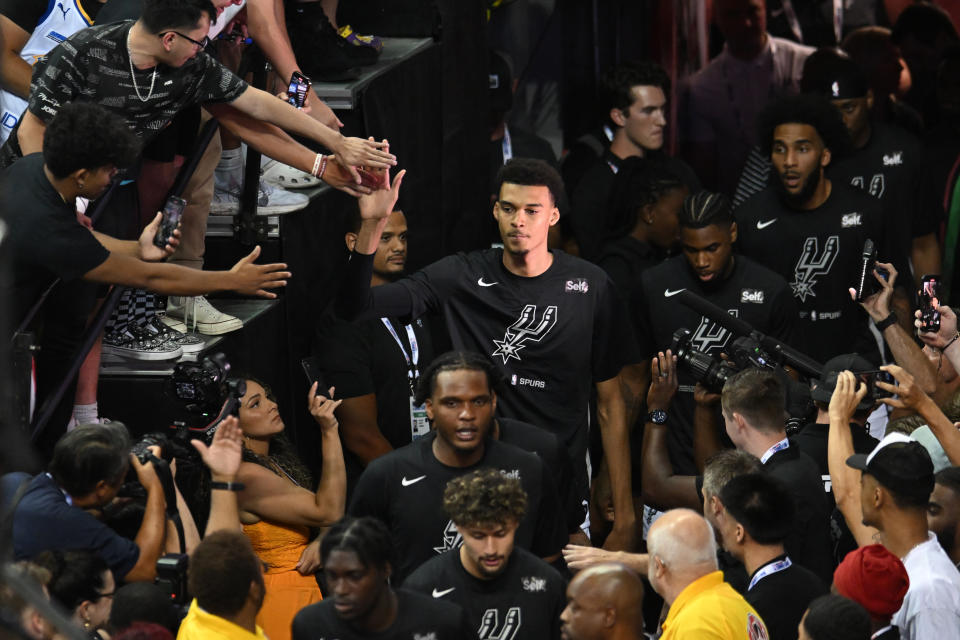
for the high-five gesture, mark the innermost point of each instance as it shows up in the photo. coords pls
(255, 279)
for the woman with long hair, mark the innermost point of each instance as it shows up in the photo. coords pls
(279, 505)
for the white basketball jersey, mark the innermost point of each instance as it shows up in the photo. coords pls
(62, 19)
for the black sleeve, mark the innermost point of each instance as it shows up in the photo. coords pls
(57, 79)
(344, 356)
(370, 495)
(643, 328)
(614, 345)
(25, 14)
(550, 531)
(356, 300)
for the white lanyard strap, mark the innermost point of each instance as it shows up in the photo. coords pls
(780, 446)
(506, 145)
(769, 570)
(413, 358)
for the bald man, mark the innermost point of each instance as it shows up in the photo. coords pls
(604, 602)
(683, 570)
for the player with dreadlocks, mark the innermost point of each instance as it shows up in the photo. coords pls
(708, 268)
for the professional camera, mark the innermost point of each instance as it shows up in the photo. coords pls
(204, 392)
(743, 353)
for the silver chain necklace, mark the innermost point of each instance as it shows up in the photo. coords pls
(153, 78)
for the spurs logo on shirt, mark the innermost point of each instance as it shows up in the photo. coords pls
(710, 336)
(812, 265)
(490, 628)
(451, 538)
(876, 187)
(527, 327)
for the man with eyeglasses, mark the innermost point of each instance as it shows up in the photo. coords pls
(149, 70)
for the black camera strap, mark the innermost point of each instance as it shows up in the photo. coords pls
(162, 468)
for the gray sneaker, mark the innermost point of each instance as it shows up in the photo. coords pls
(136, 343)
(189, 342)
(201, 316)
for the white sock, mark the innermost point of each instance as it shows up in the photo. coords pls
(86, 413)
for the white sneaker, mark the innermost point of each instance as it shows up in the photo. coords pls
(283, 175)
(200, 316)
(271, 200)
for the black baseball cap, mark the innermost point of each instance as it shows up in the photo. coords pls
(832, 74)
(853, 362)
(900, 464)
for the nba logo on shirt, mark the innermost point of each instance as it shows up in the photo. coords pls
(513, 379)
(577, 286)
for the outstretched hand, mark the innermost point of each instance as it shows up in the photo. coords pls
(340, 176)
(225, 453)
(909, 395)
(846, 396)
(379, 204)
(255, 279)
(150, 252)
(357, 152)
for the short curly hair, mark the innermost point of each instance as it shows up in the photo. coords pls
(485, 496)
(456, 361)
(222, 568)
(812, 110)
(617, 81)
(532, 172)
(84, 135)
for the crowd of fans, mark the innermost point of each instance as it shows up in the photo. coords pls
(709, 395)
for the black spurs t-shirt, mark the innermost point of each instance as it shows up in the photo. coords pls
(362, 358)
(818, 252)
(26, 14)
(809, 543)
(888, 168)
(522, 603)
(45, 240)
(782, 597)
(751, 292)
(93, 65)
(552, 336)
(418, 618)
(405, 488)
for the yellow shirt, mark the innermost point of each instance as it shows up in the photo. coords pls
(710, 608)
(200, 625)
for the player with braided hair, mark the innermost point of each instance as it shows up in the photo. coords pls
(357, 558)
(710, 269)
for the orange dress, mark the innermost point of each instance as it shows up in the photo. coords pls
(280, 547)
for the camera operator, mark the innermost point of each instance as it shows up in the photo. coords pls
(87, 470)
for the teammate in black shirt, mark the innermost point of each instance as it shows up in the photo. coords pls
(357, 559)
(552, 323)
(810, 229)
(885, 161)
(375, 364)
(708, 268)
(506, 591)
(404, 488)
(757, 516)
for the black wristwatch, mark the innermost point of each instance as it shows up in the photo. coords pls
(657, 416)
(886, 322)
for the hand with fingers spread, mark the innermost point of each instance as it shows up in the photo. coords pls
(225, 452)
(848, 393)
(322, 408)
(254, 279)
(379, 204)
(878, 304)
(663, 381)
(150, 252)
(357, 152)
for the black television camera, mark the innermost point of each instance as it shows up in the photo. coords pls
(743, 353)
(205, 393)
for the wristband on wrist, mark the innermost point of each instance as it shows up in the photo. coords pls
(316, 164)
(952, 340)
(323, 167)
(886, 322)
(228, 486)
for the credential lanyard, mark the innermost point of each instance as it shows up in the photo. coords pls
(506, 145)
(413, 358)
(780, 446)
(769, 570)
